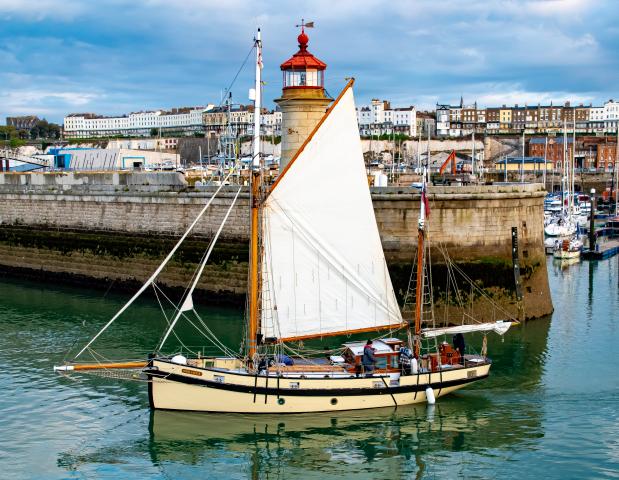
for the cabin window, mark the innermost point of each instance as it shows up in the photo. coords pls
(394, 361)
(381, 362)
(334, 401)
(281, 401)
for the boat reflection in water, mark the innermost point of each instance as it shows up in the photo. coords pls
(390, 440)
(562, 263)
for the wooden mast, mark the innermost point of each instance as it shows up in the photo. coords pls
(255, 199)
(419, 290)
(420, 264)
(252, 333)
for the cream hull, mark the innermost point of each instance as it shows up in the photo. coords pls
(566, 254)
(178, 387)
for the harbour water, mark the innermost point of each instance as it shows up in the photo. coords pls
(550, 407)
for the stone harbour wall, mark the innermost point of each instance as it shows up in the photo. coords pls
(108, 234)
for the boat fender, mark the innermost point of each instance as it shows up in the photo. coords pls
(414, 366)
(430, 396)
(180, 359)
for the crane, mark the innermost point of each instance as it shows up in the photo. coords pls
(451, 158)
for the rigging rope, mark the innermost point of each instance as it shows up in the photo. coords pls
(198, 274)
(208, 334)
(157, 271)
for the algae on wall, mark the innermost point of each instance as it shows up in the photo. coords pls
(104, 259)
(109, 259)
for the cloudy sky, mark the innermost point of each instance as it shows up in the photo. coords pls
(117, 56)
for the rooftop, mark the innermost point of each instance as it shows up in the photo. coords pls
(173, 111)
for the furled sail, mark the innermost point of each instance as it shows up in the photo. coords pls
(324, 270)
(499, 327)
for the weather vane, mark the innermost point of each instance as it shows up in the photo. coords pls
(304, 25)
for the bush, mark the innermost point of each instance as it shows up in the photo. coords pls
(17, 142)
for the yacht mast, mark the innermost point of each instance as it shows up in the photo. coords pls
(254, 267)
(616, 173)
(565, 169)
(573, 184)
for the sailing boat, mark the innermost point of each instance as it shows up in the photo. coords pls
(566, 223)
(317, 269)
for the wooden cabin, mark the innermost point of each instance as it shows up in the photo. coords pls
(386, 352)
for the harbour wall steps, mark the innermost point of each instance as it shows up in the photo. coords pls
(113, 229)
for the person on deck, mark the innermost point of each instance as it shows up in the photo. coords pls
(368, 360)
(459, 346)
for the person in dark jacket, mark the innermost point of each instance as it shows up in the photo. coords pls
(368, 360)
(459, 345)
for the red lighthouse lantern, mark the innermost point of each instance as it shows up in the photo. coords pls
(303, 70)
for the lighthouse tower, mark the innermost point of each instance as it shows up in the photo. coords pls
(303, 102)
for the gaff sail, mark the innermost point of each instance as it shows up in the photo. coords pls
(324, 270)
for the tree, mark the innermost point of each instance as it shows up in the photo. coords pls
(17, 142)
(45, 130)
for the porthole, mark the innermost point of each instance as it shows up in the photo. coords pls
(334, 401)
(281, 401)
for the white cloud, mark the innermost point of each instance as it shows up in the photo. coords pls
(39, 10)
(38, 101)
(562, 8)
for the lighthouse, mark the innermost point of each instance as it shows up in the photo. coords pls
(304, 101)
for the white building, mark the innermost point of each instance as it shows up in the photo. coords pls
(380, 119)
(611, 116)
(596, 120)
(242, 121)
(86, 125)
(442, 120)
(113, 159)
(154, 143)
(271, 123)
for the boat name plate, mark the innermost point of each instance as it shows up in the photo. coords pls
(192, 372)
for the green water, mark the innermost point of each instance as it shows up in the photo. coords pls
(550, 407)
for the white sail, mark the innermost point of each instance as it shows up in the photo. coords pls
(499, 327)
(324, 269)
